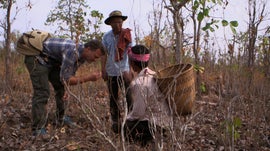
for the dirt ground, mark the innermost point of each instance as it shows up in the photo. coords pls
(218, 122)
(206, 129)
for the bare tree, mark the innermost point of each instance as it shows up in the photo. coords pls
(6, 25)
(70, 18)
(158, 34)
(175, 8)
(256, 16)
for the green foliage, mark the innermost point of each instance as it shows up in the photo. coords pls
(69, 17)
(233, 25)
(198, 68)
(72, 20)
(203, 7)
(196, 5)
(209, 26)
(203, 87)
(96, 23)
(202, 14)
(203, 11)
(20, 70)
(224, 23)
(232, 127)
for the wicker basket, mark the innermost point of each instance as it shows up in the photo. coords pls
(177, 84)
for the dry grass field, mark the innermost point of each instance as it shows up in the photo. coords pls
(232, 113)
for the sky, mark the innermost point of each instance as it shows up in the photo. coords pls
(136, 10)
(36, 17)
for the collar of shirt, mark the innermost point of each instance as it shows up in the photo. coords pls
(146, 71)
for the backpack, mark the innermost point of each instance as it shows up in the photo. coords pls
(31, 43)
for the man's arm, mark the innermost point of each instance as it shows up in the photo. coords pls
(82, 79)
(103, 67)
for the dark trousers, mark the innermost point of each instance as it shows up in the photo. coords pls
(114, 84)
(138, 131)
(142, 132)
(40, 76)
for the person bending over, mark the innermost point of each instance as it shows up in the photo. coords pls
(150, 114)
(58, 64)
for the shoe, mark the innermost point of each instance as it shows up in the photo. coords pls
(41, 131)
(68, 122)
(41, 134)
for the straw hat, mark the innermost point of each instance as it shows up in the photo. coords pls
(113, 14)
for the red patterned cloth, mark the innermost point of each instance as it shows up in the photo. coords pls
(123, 42)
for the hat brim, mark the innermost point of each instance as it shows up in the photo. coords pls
(107, 21)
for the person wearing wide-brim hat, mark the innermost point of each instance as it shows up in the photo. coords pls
(115, 14)
(115, 65)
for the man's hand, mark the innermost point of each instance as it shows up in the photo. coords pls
(128, 76)
(82, 79)
(66, 96)
(104, 75)
(95, 76)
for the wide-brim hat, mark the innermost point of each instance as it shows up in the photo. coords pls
(114, 14)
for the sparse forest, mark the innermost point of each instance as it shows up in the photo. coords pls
(232, 107)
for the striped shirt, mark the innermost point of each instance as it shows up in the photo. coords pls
(114, 68)
(64, 52)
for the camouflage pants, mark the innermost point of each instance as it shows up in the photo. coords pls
(40, 76)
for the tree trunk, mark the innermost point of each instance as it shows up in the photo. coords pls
(255, 20)
(8, 75)
(178, 24)
(196, 46)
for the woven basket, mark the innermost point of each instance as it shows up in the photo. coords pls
(177, 84)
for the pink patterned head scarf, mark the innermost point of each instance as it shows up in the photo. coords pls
(138, 57)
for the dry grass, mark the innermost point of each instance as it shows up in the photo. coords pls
(233, 114)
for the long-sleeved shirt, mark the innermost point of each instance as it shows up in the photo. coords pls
(65, 53)
(148, 102)
(114, 68)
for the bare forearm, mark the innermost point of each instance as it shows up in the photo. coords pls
(103, 67)
(103, 62)
(82, 79)
(78, 80)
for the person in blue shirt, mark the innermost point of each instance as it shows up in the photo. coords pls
(115, 64)
(57, 65)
